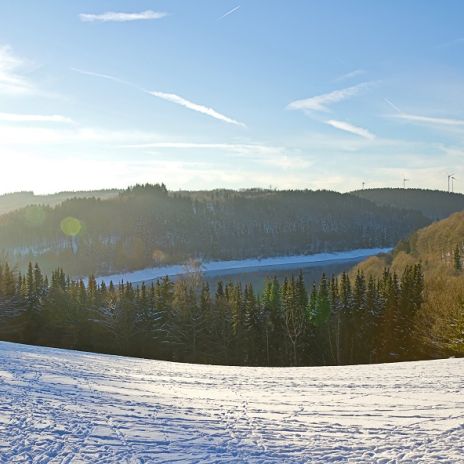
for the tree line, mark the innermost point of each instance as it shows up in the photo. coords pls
(340, 320)
(147, 225)
(434, 204)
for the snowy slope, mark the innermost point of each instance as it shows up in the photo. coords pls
(63, 406)
(244, 265)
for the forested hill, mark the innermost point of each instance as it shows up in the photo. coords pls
(440, 249)
(434, 204)
(12, 201)
(147, 225)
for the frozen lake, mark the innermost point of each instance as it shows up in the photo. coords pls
(264, 267)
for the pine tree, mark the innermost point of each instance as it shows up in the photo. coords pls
(253, 324)
(358, 319)
(342, 321)
(335, 321)
(457, 259)
(221, 330)
(273, 321)
(322, 313)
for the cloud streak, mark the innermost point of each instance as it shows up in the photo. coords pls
(106, 76)
(178, 100)
(118, 17)
(350, 75)
(233, 10)
(244, 148)
(352, 129)
(265, 154)
(322, 102)
(429, 120)
(11, 80)
(15, 117)
(171, 97)
(419, 119)
(392, 105)
(18, 135)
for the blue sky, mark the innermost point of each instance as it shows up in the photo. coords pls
(206, 94)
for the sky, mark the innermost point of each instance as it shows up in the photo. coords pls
(206, 94)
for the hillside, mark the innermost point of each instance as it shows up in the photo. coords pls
(440, 250)
(148, 226)
(434, 204)
(65, 406)
(17, 200)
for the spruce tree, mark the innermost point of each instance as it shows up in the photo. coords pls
(457, 259)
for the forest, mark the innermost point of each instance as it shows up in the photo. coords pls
(341, 320)
(407, 305)
(434, 204)
(146, 225)
(439, 248)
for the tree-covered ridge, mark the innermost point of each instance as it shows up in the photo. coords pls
(434, 204)
(17, 200)
(147, 226)
(440, 249)
(339, 321)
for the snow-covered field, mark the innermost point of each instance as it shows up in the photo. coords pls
(244, 265)
(62, 406)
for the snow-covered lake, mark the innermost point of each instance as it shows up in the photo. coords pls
(215, 268)
(61, 406)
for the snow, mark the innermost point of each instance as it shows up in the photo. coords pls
(252, 264)
(63, 406)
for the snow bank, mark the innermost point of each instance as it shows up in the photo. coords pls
(63, 406)
(244, 265)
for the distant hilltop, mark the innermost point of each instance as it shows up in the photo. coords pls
(434, 204)
(147, 225)
(11, 201)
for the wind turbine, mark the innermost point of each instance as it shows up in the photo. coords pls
(452, 183)
(404, 182)
(363, 184)
(449, 177)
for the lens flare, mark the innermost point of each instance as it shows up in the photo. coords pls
(71, 226)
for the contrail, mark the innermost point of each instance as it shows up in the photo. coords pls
(233, 10)
(393, 105)
(173, 98)
(178, 100)
(108, 77)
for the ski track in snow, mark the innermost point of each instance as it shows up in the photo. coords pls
(60, 406)
(243, 265)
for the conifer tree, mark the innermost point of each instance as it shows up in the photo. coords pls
(457, 258)
(341, 321)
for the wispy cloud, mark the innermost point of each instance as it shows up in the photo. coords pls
(419, 119)
(322, 102)
(105, 76)
(173, 98)
(264, 154)
(12, 82)
(243, 148)
(16, 117)
(352, 129)
(350, 75)
(118, 17)
(390, 103)
(429, 120)
(18, 135)
(233, 10)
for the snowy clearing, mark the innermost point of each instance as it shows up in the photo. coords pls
(252, 264)
(63, 406)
